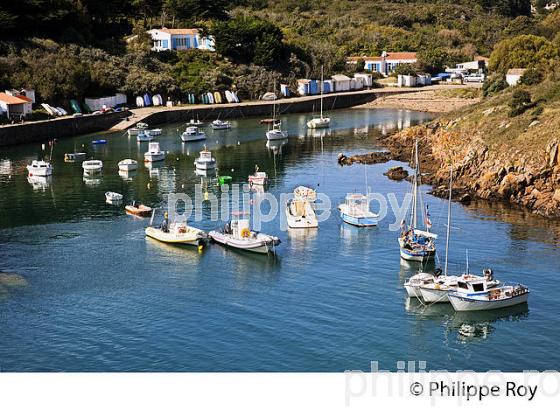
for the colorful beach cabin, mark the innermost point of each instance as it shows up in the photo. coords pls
(180, 39)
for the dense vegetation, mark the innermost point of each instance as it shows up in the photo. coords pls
(68, 48)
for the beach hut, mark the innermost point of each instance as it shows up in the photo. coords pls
(313, 87)
(303, 87)
(341, 82)
(284, 90)
(327, 86)
(367, 79)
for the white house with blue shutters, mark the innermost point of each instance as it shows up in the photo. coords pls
(180, 39)
(386, 63)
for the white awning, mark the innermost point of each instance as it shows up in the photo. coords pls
(425, 233)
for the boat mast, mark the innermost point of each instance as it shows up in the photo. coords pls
(322, 86)
(415, 197)
(448, 218)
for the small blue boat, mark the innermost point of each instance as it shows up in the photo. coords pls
(355, 211)
(99, 142)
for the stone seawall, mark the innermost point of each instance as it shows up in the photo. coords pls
(40, 131)
(65, 127)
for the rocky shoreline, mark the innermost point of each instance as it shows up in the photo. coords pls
(480, 171)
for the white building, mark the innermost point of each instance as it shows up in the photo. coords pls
(180, 39)
(15, 106)
(513, 75)
(386, 62)
(340, 82)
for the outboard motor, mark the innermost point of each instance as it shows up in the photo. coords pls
(488, 274)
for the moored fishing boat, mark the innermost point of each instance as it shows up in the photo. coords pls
(155, 131)
(205, 160)
(300, 214)
(128, 165)
(193, 134)
(221, 125)
(39, 168)
(238, 234)
(476, 296)
(438, 291)
(355, 211)
(154, 153)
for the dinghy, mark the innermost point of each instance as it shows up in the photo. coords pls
(154, 153)
(128, 165)
(92, 166)
(176, 233)
(39, 168)
(221, 125)
(74, 156)
(138, 209)
(113, 197)
(237, 234)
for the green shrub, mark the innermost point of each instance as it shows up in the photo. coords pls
(531, 76)
(494, 84)
(520, 102)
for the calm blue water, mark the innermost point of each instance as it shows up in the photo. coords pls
(99, 296)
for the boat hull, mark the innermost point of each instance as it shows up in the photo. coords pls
(39, 172)
(319, 123)
(149, 157)
(128, 167)
(192, 137)
(417, 256)
(430, 295)
(205, 165)
(279, 135)
(261, 245)
(192, 237)
(462, 304)
(358, 221)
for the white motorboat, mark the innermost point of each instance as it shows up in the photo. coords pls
(144, 136)
(276, 132)
(438, 291)
(134, 131)
(74, 156)
(258, 178)
(300, 214)
(128, 165)
(221, 125)
(413, 284)
(92, 166)
(39, 168)
(195, 123)
(306, 193)
(417, 244)
(113, 197)
(477, 295)
(142, 125)
(193, 134)
(355, 211)
(154, 153)
(238, 234)
(155, 131)
(321, 122)
(176, 233)
(39, 183)
(205, 161)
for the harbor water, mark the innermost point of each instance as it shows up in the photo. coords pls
(83, 289)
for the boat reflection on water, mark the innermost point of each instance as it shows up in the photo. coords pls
(205, 174)
(276, 145)
(154, 168)
(127, 175)
(40, 183)
(302, 239)
(409, 268)
(466, 326)
(92, 180)
(352, 236)
(172, 254)
(318, 132)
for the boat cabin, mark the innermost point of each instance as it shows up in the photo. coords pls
(154, 147)
(239, 227)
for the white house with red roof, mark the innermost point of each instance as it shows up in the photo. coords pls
(15, 106)
(180, 39)
(386, 62)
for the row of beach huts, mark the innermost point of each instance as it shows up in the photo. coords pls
(337, 83)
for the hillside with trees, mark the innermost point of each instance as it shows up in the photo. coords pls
(72, 49)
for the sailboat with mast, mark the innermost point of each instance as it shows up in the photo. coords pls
(275, 132)
(321, 122)
(417, 244)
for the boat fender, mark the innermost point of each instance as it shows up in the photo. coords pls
(245, 233)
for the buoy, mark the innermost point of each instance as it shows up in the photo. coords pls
(183, 186)
(177, 158)
(232, 170)
(238, 143)
(200, 247)
(206, 196)
(43, 147)
(148, 186)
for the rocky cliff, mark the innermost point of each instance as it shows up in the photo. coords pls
(494, 156)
